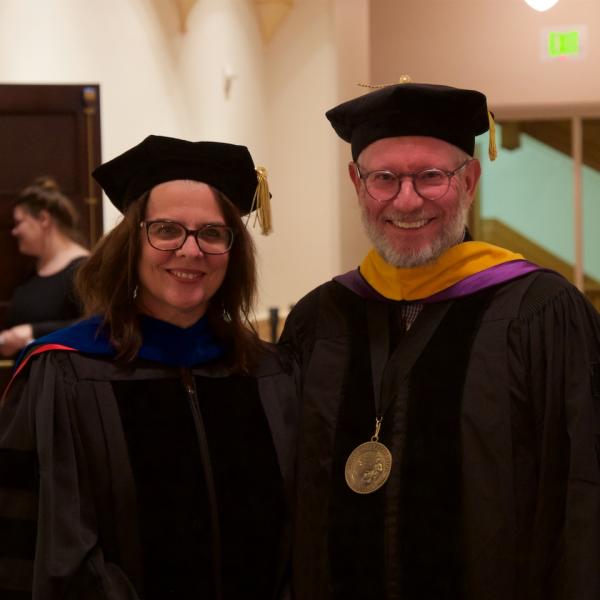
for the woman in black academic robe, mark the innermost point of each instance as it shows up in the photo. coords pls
(146, 452)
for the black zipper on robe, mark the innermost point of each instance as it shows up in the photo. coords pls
(192, 396)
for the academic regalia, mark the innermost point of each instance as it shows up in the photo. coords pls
(165, 478)
(492, 417)
(480, 373)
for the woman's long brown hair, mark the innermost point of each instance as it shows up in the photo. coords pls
(107, 281)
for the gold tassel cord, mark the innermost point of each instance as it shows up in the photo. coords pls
(378, 86)
(372, 86)
(261, 202)
(492, 150)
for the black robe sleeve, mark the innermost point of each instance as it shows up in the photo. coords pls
(554, 362)
(49, 547)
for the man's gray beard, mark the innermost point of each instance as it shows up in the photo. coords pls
(411, 257)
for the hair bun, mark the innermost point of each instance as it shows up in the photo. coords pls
(46, 182)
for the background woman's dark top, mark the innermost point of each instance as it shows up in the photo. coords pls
(46, 302)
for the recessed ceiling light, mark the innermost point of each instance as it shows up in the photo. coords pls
(541, 5)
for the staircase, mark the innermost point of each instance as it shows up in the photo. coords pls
(498, 233)
(557, 135)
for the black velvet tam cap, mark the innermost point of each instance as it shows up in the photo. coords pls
(227, 167)
(450, 114)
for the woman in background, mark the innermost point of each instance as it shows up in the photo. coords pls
(147, 450)
(46, 228)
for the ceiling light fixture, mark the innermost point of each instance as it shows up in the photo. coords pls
(541, 5)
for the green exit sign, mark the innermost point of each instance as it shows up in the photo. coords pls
(563, 43)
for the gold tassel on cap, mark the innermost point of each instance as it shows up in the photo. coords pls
(492, 150)
(261, 202)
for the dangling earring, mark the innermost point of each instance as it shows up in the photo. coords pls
(135, 292)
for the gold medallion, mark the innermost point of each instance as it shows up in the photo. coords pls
(368, 467)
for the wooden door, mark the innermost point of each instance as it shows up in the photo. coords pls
(46, 130)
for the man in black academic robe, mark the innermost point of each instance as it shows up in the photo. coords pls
(479, 371)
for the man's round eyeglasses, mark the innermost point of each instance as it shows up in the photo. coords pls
(430, 184)
(170, 235)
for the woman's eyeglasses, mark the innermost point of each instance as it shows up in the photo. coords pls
(170, 235)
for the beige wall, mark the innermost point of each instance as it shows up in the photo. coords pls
(300, 61)
(491, 45)
(154, 79)
(353, 52)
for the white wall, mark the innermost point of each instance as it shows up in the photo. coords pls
(116, 43)
(154, 79)
(353, 53)
(301, 86)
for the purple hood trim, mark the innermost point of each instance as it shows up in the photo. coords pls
(355, 282)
